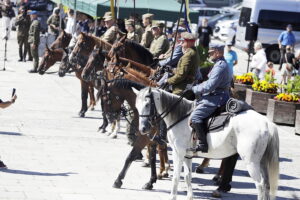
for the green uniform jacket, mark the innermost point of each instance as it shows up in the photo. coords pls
(34, 33)
(133, 37)
(185, 71)
(139, 31)
(110, 34)
(23, 24)
(55, 20)
(159, 45)
(147, 37)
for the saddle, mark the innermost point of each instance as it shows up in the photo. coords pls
(221, 117)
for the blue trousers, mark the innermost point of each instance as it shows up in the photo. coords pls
(202, 111)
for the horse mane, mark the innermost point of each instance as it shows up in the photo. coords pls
(140, 76)
(102, 43)
(142, 50)
(181, 109)
(126, 84)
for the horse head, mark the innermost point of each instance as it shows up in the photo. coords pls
(146, 107)
(82, 49)
(62, 41)
(49, 59)
(65, 65)
(95, 63)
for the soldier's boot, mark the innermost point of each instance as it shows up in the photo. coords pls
(20, 54)
(24, 55)
(161, 138)
(200, 129)
(35, 67)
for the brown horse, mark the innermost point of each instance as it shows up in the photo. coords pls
(49, 58)
(62, 41)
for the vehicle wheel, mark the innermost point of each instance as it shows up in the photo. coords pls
(273, 54)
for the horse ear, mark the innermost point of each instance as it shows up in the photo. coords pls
(135, 90)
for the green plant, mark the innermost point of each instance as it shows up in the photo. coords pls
(292, 86)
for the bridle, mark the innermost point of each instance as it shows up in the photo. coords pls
(154, 117)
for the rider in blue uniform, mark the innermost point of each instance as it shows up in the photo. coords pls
(211, 94)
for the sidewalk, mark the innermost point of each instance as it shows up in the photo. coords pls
(52, 154)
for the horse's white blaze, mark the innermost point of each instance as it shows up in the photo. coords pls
(250, 134)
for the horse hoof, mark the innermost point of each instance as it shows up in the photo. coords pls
(199, 170)
(145, 164)
(81, 114)
(159, 176)
(117, 184)
(148, 186)
(114, 136)
(103, 130)
(224, 188)
(216, 194)
(165, 175)
(92, 108)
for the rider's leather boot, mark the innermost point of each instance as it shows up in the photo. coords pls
(161, 138)
(200, 129)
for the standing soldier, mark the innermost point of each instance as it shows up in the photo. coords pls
(147, 37)
(138, 27)
(160, 43)
(54, 22)
(23, 23)
(111, 34)
(131, 35)
(34, 39)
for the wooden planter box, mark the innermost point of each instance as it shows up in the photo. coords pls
(297, 122)
(240, 90)
(258, 100)
(282, 112)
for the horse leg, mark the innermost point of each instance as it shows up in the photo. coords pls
(167, 164)
(116, 129)
(84, 96)
(217, 178)
(92, 98)
(204, 164)
(146, 161)
(188, 177)
(225, 172)
(177, 163)
(254, 170)
(104, 120)
(160, 149)
(152, 157)
(140, 143)
(111, 127)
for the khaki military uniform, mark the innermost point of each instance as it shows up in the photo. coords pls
(185, 71)
(139, 31)
(147, 37)
(110, 35)
(23, 24)
(159, 45)
(34, 39)
(133, 36)
(55, 20)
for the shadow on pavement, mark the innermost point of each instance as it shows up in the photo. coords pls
(285, 160)
(87, 117)
(16, 171)
(10, 133)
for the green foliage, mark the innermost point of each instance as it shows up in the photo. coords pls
(203, 55)
(292, 86)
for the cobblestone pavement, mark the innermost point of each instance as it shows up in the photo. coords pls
(52, 154)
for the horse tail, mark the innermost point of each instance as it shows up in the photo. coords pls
(272, 157)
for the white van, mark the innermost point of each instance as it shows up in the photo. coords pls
(272, 17)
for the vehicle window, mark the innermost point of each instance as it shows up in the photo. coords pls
(245, 16)
(272, 19)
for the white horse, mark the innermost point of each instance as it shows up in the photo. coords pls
(250, 134)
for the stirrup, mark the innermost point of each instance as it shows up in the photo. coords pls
(200, 147)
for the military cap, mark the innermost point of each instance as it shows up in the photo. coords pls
(108, 18)
(215, 47)
(158, 25)
(188, 36)
(148, 15)
(129, 22)
(106, 14)
(32, 12)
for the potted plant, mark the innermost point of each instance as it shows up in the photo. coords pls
(261, 92)
(241, 83)
(282, 109)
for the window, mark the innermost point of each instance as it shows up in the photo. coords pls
(245, 16)
(272, 19)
